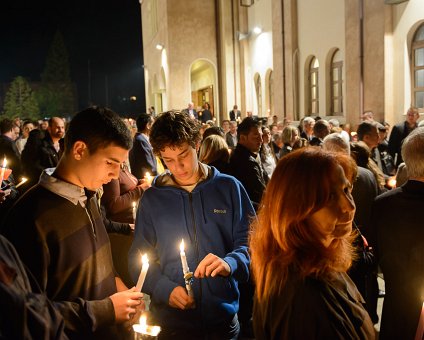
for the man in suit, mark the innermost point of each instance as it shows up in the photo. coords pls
(235, 114)
(397, 219)
(191, 111)
(399, 133)
(231, 136)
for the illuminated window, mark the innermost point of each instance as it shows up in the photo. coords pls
(313, 87)
(258, 88)
(418, 68)
(336, 83)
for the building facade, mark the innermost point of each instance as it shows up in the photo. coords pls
(292, 58)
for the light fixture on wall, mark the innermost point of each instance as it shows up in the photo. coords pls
(256, 30)
(159, 47)
(247, 3)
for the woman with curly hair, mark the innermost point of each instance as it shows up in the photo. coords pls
(301, 248)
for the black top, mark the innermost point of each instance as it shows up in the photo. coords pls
(313, 309)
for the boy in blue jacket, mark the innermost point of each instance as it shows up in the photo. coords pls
(211, 212)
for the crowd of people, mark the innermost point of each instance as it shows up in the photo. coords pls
(256, 228)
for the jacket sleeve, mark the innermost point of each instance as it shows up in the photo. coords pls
(395, 141)
(155, 284)
(239, 259)
(116, 202)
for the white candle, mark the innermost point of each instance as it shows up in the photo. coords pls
(183, 258)
(23, 180)
(143, 273)
(148, 178)
(134, 210)
(3, 169)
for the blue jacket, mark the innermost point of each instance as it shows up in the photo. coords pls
(213, 218)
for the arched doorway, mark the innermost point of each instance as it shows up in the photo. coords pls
(203, 85)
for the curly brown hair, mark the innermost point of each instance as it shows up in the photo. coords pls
(172, 129)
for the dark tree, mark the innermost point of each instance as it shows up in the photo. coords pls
(20, 100)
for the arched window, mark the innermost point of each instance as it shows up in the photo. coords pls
(418, 68)
(258, 88)
(313, 87)
(336, 90)
(269, 91)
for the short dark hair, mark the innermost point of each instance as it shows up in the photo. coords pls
(173, 128)
(97, 127)
(213, 130)
(365, 128)
(6, 125)
(246, 125)
(142, 121)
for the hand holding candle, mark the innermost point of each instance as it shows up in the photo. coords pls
(188, 276)
(143, 273)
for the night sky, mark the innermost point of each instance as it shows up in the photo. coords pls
(103, 38)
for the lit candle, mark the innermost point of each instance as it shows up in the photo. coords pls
(3, 169)
(143, 329)
(134, 210)
(183, 258)
(23, 180)
(392, 182)
(420, 329)
(142, 277)
(148, 178)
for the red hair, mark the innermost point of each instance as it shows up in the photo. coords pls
(281, 239)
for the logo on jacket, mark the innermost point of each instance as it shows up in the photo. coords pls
(220, 211)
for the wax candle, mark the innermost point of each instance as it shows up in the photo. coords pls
(392, 182)
(3, 169)
(143, 273)
(23, 180)
(183, 258)
(134, 210)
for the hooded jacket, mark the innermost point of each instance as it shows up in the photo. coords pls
(212, 218)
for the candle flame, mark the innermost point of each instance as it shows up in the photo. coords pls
(144, 259)
(4, 162)
(182, 245)
(392, 182)
(134, 204)
(143, 323)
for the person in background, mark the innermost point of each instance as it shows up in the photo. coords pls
(27, 127)
(321, 129)
(268, 159)
(225, 125)
(397, 220)
(9, 133)
(301, 248)
(231, 137)
(191, 111)
(206, 113)
(214, 151)
(141, 157)
(399, 133)
(210, 211)
(65, 244)
(308, 128)
(289, 137)
(235, 114)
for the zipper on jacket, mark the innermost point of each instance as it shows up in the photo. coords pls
(197, 248)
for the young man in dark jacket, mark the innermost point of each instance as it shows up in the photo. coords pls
(58, 230)
(211, 212)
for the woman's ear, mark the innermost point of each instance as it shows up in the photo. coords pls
(79, 149)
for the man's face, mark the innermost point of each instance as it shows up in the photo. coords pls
(27, 129)
(233, 128)
(253, 140)
(57, 129)
(182, 162)
(226, 126)
(94, 170)
(372, 138)
(412, 117)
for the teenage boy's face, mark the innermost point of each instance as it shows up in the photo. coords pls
(182, 162)
(94, 170)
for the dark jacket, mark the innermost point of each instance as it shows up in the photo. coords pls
(25, 312)
(65, 246)
(313, 309)
(213, 218)
(9, 150)
(397, 218)
(141, 157)
(398, 134)
(245, 167)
